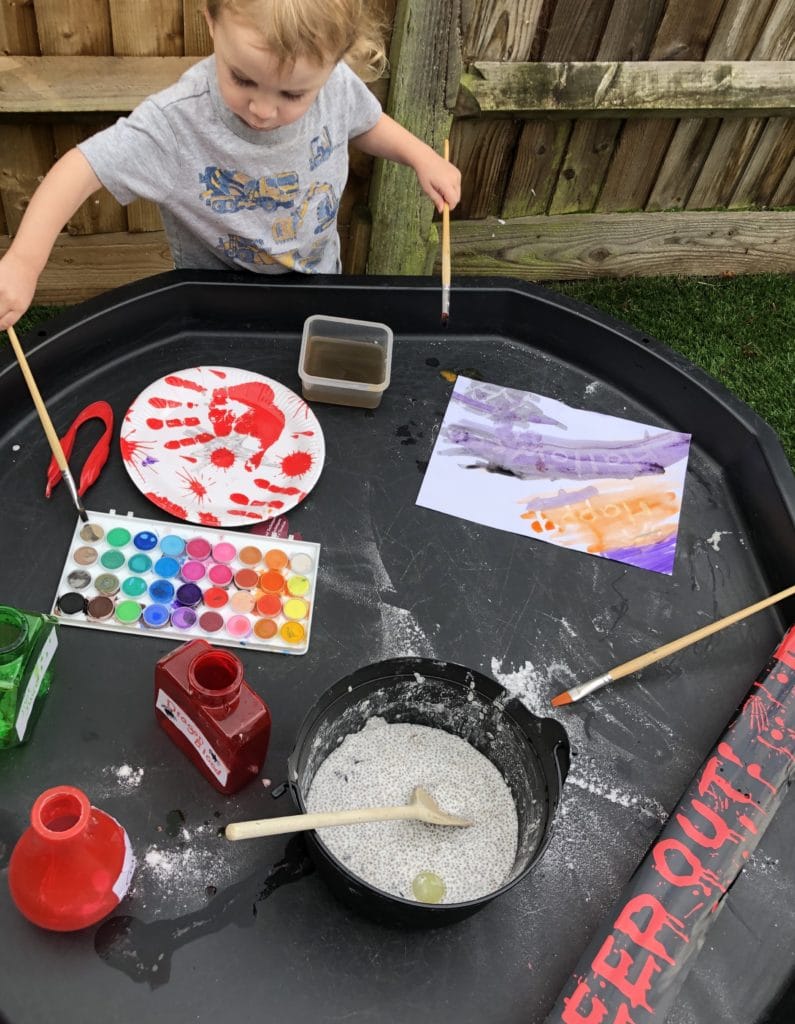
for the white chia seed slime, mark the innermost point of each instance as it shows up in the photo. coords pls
(379, 767)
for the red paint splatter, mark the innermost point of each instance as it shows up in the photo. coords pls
(242, 513)
(189, 458)
(208, 519)
(266, 485)
(154, 424)
(181, 382)
(223, 458)
(304, 433)
(185, 442)
(164, 403)
(296, 464)
(132, 451)
(239, 499)
(189, 421)
(166, 505)
(262, 419)
(193, 485)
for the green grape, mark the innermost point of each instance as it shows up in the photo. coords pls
(428, 887)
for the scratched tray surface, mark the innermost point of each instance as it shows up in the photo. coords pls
(213, 928)
(151, 578)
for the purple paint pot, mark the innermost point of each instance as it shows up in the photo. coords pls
(189, 595)
(183, 618)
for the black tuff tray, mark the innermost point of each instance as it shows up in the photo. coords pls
(211, 930)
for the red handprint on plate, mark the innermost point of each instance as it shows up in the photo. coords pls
(222, 446)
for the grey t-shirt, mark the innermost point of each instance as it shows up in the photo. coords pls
(230, 196)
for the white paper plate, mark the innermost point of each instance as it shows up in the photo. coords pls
(222, 446)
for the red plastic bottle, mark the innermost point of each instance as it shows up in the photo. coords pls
(73, 865)
(203, 703)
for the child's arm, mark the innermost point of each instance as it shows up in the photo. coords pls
(69, 183)
(439, 179)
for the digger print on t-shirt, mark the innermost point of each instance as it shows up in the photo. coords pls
(297, 220)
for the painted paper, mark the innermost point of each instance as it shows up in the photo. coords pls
(534, 466)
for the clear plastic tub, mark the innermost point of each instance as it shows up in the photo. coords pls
(345, 362)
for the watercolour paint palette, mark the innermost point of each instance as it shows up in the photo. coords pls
(158, 579)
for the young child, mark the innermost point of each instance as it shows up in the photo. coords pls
(246, 155)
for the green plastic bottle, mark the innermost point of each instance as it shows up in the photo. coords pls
(27, 646)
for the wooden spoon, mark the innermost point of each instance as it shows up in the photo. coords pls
(421, 807)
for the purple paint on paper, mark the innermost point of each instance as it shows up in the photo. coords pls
(529, 455)
(505, 405)
(657, 557)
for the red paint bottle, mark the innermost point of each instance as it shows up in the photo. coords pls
(213, 716)
(73, 865)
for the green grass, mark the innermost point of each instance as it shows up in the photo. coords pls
(740, 330)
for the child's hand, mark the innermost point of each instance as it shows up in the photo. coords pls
(17, 285)
(439, 179)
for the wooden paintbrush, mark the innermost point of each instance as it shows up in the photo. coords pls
(636, 664)
(46, 422)
(446, 251)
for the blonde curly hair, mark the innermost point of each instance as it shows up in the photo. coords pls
(317, 30)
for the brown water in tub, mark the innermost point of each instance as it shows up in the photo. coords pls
(341, 359)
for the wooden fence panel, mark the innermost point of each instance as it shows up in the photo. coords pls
(684, 34)
(499, 31)
(571, 30)
(17, 36)
(767, 165)
(195, 31)
(735, 142)
(785, 193)
(69, 28)
(735, 37)
(627, 36)
(73, 27)
(18, 27)
(146, 28)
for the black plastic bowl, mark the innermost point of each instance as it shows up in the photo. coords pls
(531, 753)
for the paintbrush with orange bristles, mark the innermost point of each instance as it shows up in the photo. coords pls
(636, 664)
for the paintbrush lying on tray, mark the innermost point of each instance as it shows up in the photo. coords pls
(636, 664)
(46, 422)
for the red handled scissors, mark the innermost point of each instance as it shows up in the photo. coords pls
(98, 457)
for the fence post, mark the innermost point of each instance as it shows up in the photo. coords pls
(422, 57)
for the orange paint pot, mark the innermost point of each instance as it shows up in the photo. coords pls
(266, 628)
(249, 555)
(292, 632)
(269, 605)
(246, 579)
(276, 559)
(272, 582)
(215, 597)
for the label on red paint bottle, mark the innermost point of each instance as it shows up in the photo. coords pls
(188, 728)
(34, 683)
(122, 883)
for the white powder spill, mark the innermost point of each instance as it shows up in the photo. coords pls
(401, 635)
(590, 388)
(125, 775)
(381, 577)
(15, 447)
(378, 767)
(183, 870)
(714, 540)
(593, 793)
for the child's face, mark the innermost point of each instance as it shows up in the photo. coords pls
(253, 85)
